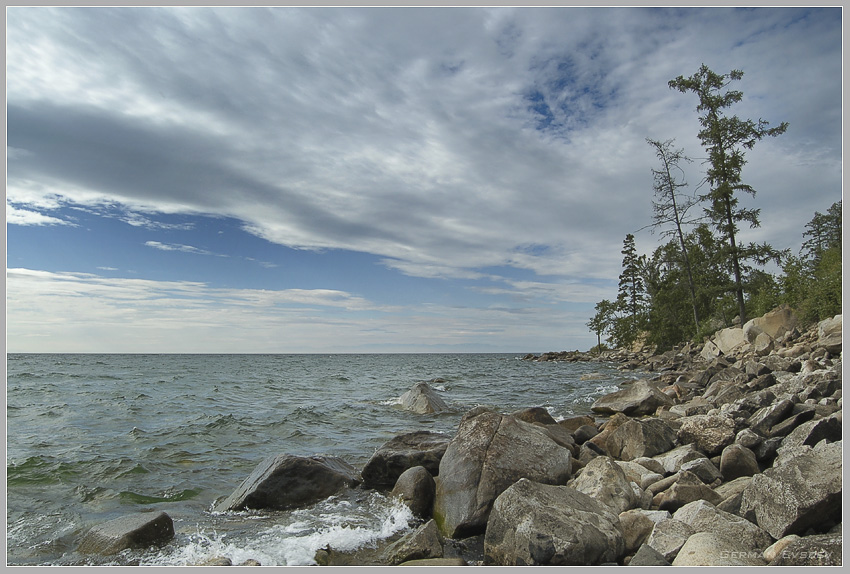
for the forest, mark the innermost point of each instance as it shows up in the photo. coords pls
(702, 277)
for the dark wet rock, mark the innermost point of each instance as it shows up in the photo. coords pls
(139, 530)
(419, 448)
(533, 415)
(424, 542)
(584, 433)
(286, 481)
(537, 524)
(416, 489)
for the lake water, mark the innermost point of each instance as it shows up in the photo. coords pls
(94, 437)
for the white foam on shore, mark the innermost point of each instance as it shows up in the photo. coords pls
(295, 541)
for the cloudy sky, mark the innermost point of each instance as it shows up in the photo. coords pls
(374, 179)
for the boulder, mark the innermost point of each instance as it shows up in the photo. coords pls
(763, 344)
(637, 399)
(710, 433)
(637, 524)
(668, 537)
(703, 516)
(748, 438)
(533, 415)
(139, 530)
(584, 433)
(673, 460)
(796, 495)
(703, 468)
(423, 543)
(650, 464)
(605, 481)
(687, 488)
(774, 324)
(639, 474)
(490, 452)
(766, 417)
(573, 423)
(737, 461)
(538, 524)
(829, 335)
(811, 433)
(711, 549)
(648, 556)
(772, 551)
(815, 550)
(728, 340)
(419, 448)
(423, 400)
(416, 489)
(638, 438)
(286, 481)
(710, 351)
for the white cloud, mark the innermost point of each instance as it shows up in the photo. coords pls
(180, 247)
(16, 216)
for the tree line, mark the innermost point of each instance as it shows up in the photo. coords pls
(703, 278)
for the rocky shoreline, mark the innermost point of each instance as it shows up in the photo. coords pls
(725, 453)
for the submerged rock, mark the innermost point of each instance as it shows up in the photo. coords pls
(423, 400)
(286, 481)
(138, 530)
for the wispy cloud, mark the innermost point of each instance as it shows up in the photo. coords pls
(180, 247)
(16, 216)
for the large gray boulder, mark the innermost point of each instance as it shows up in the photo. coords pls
(774, 324)
(490, 452)
(829, 334)
(286, 481)
(668, 536)
(815, 550)
(423, 400)
(637, 524)
(538, 524)
(673, 460)
(419, 448)
(737, 461)
(687, 488)
(604, 480)
(637, 399)
(139, 530)
(703, 516)
(710, 433)
(712, 549)
(638, 438)
(730, 339)
(791, 497)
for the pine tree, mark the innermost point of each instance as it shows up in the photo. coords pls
(725, 138)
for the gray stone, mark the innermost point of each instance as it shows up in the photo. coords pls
(668, 537)
(703, 469)
(816, 550)
(710, 433)
(584, 433)
(772, 551)
(764, 418)
(639, 398)
(489, 453)
(637, 524)
(538, 524)
(648, 556)
(641, 438)
(730, 339)
(285, 481)
(605, 481)
(424, 542)
(639, 474)
(737, 461)
(423, 400)
(774, 324)
(703, 516)
(650, 464)
(733, 487)
(748, 438)
(402, 452)
(711, 549)
(803, 492)
(416, 489)
(688, 488)
(829, 334)
(538, 415)
(139, 530)
(673, 460)
(573, 423)
(784, 428)
(811, 433)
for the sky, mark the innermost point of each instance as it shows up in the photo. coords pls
(358, 180)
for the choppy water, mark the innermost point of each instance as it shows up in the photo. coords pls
(94, 437)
